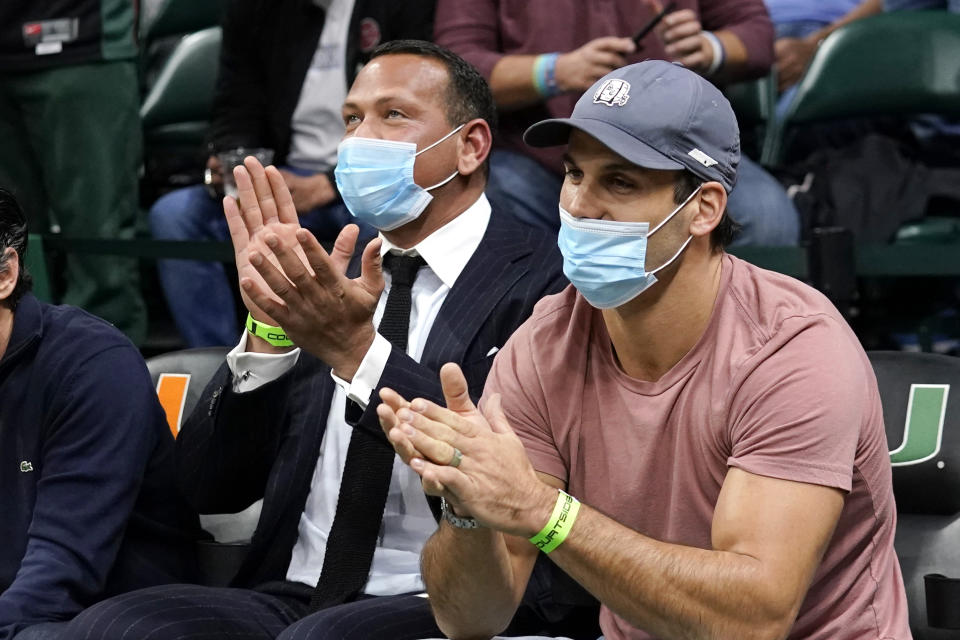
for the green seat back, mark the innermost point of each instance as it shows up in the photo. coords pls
(753, 101)
(920, 416)
(182, 97)
(175, 17)
(932, 230)
(898, 63)
(36, 264)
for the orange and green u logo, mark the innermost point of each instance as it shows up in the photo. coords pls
(923, 431)
(172, 391)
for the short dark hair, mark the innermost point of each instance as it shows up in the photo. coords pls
(13, 234)
(468, 94)
(727, 229)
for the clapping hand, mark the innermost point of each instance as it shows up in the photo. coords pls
(293, 282)
(470, 457)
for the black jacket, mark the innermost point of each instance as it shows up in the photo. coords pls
(237, 448)
(268, 46)
(88, 502)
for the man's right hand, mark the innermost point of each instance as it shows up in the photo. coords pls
(577, 70)
(250, 216)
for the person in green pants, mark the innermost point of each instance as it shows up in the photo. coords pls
(69, 122)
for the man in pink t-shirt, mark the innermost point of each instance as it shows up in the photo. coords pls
(720, 423)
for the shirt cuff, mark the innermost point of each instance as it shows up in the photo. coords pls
(253, 370)
(368, 375)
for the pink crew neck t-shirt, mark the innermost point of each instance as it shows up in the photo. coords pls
(778, 386)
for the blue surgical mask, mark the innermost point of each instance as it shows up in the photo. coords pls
(375, 179)
(606, 260)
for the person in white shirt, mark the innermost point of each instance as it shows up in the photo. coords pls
(336, 551)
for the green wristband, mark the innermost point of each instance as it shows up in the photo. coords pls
(539, 76)
(544, 74)
(275, 336)
(558, 526)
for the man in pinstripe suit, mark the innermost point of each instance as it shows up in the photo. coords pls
(275, 421)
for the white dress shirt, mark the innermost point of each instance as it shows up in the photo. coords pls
(317, 124)
(407, 519)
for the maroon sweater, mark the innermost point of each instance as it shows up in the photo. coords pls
(483, 31)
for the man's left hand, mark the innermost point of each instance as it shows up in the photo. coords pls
(309, 192)
(684, 41)
(328, 314)
(494, 482)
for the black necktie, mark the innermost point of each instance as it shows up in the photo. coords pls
(366, 473)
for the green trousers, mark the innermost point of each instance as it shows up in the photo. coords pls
(70, 150)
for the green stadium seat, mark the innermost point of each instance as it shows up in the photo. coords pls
(920, 415)
(160, 30)
(178, 17)
(754, 103)
(894, 64)
(180, 378)
(176, 112)
(36, 264)
(930, 230)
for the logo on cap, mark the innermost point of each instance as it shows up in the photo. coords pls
(702, 158)
(613, 93)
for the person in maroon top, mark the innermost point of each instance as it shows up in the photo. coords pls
(540, 55)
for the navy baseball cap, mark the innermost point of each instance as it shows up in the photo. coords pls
(657, 115)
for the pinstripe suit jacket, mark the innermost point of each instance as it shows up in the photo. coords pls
(237, 448)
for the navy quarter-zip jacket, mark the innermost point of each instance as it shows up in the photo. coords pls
(88, 504)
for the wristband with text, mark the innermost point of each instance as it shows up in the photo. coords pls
(559, 524)
(275, 336)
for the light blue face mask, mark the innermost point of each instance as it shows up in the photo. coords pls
(605, 260)
(375, 179)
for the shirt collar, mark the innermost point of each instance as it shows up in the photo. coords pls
(448, 249)
(27, 327)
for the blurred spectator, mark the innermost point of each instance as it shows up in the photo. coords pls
(69, 121)
(87, 490)
(284, 71)
(511, 43)
(800, 26)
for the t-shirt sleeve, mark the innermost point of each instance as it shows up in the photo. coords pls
(799, 409)
(471, 30)
(750, 22)
(515, 377)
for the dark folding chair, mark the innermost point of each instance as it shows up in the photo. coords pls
(921, 401)
(180, 378)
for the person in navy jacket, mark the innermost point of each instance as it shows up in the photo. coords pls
(88, 504)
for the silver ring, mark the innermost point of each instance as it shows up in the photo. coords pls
(456, 458)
